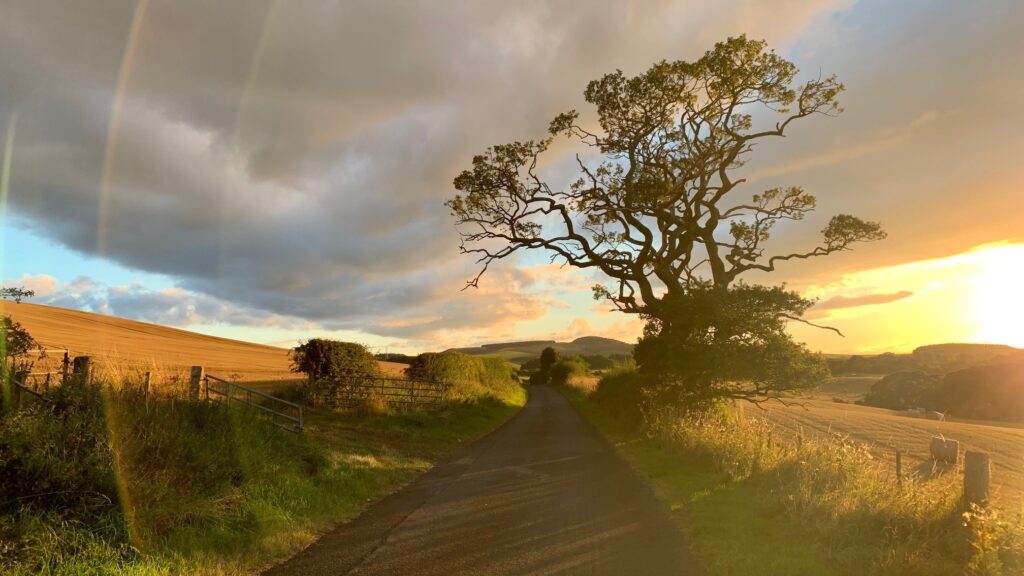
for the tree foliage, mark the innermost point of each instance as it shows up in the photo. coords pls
(548, 357)
(655, 210)
(16, 294)
(15, 341)
(712, 344)
(323, 359)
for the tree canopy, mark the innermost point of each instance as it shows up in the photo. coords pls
(652, 207)
(655, 209)
(325, 359)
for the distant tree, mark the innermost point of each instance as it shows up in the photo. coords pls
(652, 210)
(903, 390)
(16, 294)
(323, 359)
(548, 357)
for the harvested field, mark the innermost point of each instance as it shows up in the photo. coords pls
(126, 346)
(888, 430)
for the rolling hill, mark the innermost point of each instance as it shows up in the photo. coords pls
(118, 344)
(517, 352)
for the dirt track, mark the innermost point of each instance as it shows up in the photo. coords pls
(542, 495)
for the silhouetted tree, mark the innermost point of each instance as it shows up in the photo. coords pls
(548, 357)
(653, 209)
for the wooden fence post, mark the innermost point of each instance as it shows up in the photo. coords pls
(977, 476)
(195, 382)
(146, 379)
(65, 366)
(81, 368)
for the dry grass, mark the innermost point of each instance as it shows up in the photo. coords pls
(886, 430)
(124, 347)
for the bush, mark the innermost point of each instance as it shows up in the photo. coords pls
(567, 367)
(621, 395)
(469, 378)
(326, 359)
(903, 390)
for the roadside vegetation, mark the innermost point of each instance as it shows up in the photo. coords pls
(754, 501)
(100, 477)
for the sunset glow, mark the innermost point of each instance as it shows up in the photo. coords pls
(969, 297)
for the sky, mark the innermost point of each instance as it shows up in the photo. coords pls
(273, 171)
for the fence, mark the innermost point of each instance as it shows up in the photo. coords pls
(352, 391)
(282, 413)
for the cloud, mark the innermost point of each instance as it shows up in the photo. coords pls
(169, 307)
(837, 302)
(292, 159)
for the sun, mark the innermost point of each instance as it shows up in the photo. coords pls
(998, 299)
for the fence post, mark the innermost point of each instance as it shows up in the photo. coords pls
(64, 366)
(146, 379)
(82, 367)
(195, 381)
(977, 476)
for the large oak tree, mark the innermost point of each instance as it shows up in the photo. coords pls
(657, 209)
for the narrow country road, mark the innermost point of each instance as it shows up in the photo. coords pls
(541, 495)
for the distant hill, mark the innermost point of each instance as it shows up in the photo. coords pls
(934, 358)
(519, 352)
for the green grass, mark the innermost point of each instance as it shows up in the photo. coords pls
(108, 484)
(821, 508)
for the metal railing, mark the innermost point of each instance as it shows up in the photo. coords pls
(351, 391)
(277, 409)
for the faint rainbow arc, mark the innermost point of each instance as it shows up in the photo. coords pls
(114, 124)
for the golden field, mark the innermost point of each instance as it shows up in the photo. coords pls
(122, 346)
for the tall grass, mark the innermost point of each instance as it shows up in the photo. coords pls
(105, 479)
(825, 501)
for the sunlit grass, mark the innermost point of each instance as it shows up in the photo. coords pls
(754, 503)
(166, 485)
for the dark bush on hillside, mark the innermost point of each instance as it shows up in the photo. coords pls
(984, 392)
(323, 359)
(470, 378)
(903, 390)
(621, 394)
(567, 367)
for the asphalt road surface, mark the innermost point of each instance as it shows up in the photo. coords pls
(542, 495)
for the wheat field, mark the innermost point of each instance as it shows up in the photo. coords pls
(887, 430)
(119, 346)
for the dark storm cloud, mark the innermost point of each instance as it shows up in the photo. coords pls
(293, 157)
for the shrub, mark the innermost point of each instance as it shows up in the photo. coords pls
(469, 378)
(621, 394)
(320, 358)
(567, 367)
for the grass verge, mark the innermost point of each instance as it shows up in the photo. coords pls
(751, 506)
(105, 481)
